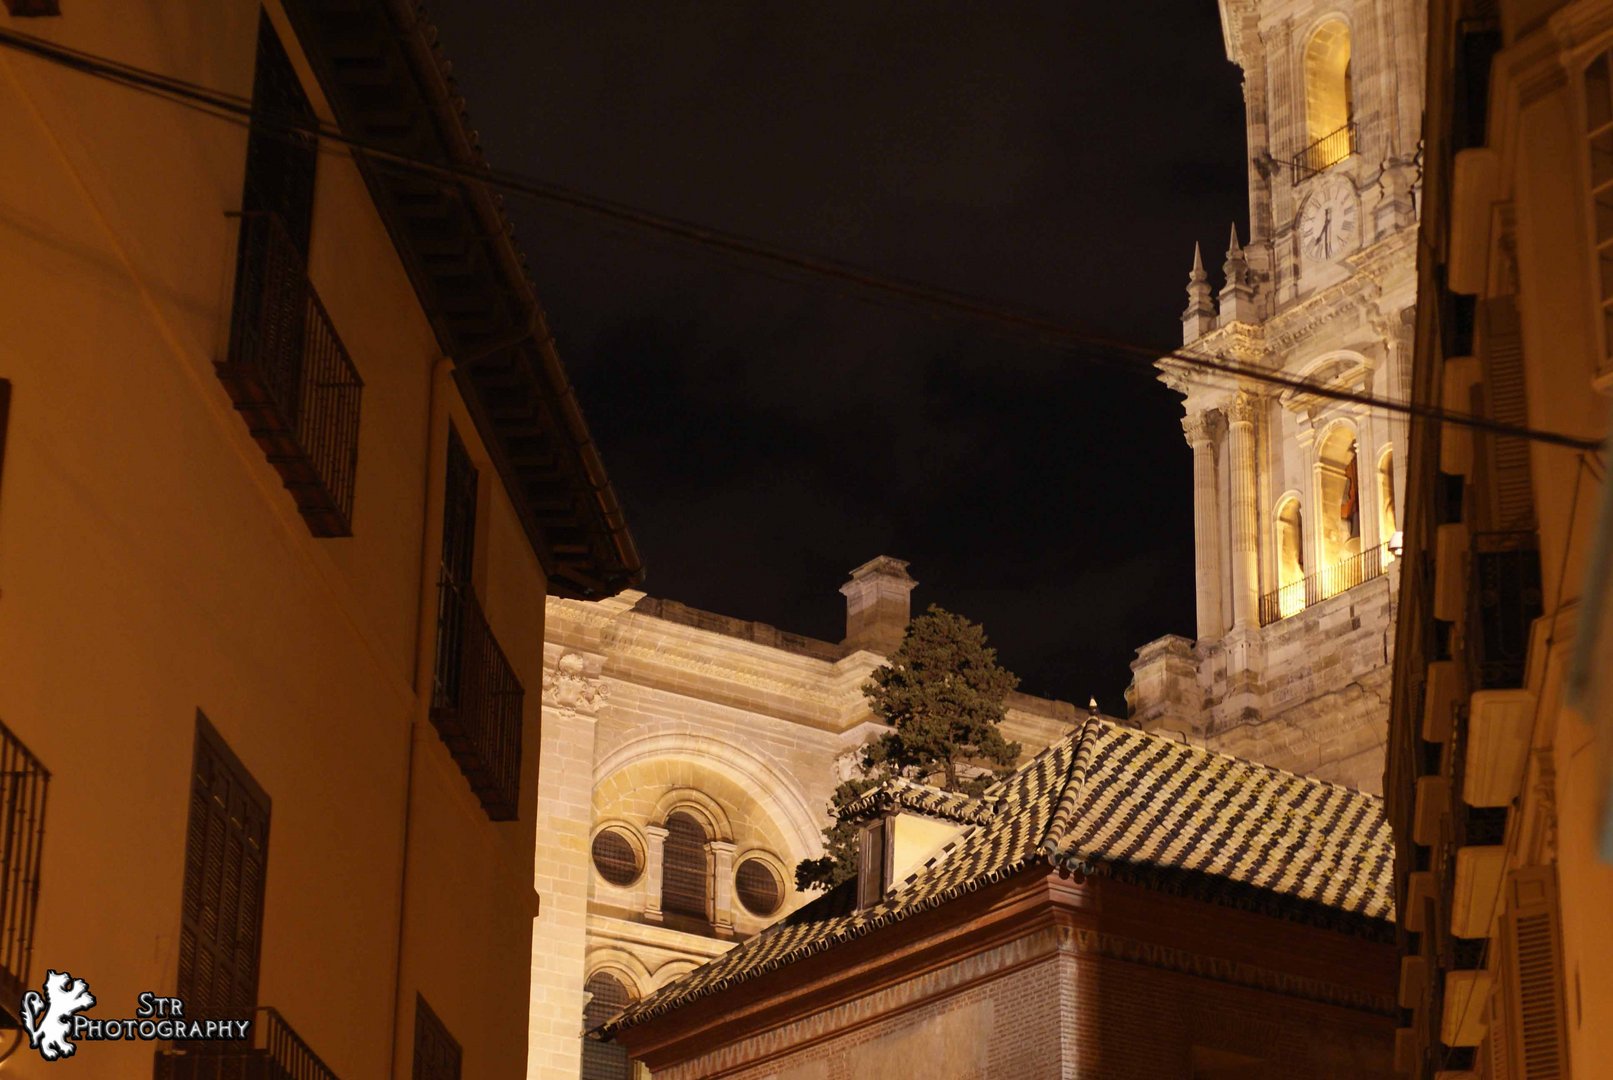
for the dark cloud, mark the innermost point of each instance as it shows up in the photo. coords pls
(766, 435)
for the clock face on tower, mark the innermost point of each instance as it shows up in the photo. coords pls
(1330, 223)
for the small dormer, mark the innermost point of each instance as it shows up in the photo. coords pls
(902, 825)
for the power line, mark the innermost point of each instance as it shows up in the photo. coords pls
(1047, 331)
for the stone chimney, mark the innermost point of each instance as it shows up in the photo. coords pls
(878, 604)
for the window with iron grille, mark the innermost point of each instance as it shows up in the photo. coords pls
(287, 371)
(759, 887)
(476, 699)
(226, 855)
(23, 781)
(604, 1060)
(616, 857)
(684, 868)
(436, 1053)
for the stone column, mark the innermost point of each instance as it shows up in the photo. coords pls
(1203, 431)
(722, 887)
(1245, 532)
(654, 852)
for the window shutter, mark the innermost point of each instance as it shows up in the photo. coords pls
(683, 868)
(604, 1060)
(221, 911)
(1533, 957)
(1497, 1065)
(1510, 490)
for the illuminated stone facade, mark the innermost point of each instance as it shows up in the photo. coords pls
(1296, 495)
(653, 709)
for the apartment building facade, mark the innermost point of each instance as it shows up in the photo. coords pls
(1497, 770)
(288, 467)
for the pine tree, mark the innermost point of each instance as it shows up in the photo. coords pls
(942, 693)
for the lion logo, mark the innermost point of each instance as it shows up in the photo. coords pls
(49, 1019)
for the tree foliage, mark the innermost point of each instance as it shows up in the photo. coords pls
(942, 694)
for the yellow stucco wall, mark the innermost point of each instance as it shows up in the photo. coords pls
(151, 564)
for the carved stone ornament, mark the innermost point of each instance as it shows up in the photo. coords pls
(569, 688)
(1244, 408)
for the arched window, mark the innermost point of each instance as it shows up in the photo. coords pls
(684, 871)
(604, 1060)
(1386, 496)
(1328, 95)
(1338, 498)
(1290, 558)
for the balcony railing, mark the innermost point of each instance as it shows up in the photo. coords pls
(23, 781)
(477, 701)
(291, 378)
(1325, 152)
(1504, 602)
(1296, 596)
(275, 1052)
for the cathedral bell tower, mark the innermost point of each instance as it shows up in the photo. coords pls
(1294, 491)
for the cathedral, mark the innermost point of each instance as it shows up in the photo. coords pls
(688, 762)
(1295, 492)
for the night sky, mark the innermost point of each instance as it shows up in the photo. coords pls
(766, 435)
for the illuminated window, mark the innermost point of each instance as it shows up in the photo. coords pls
(1290, 558)
(1328, 101)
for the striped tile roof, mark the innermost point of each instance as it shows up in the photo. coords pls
(1114, 800)
(897, 793)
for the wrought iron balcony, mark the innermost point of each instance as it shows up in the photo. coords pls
(1324, 153)
(275, 1052)
(1505, 599)
(23, 781)
(291, 378)
(477, 701)
(1344, 575)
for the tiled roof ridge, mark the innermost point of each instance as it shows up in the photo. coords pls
(898, 791)
(1064, 810)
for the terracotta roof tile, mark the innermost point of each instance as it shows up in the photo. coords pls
(1110, 800)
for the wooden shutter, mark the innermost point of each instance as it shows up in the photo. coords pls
(280, 163)
(226, 853)
(436, 1053)
(604, 1060)
(1510, 489)
(1532, 938)
(1496, 1062)
(683, 868)
(458, 559)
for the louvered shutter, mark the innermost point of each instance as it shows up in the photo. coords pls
(684, 873)
(604, 1060)
(1510, 487)
(436, 1052)
(1532, 938)
(221, 915)
(1497, 1065)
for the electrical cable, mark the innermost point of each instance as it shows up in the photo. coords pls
(1047, 331)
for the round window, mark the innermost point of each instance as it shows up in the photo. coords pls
(759, 887)
(616, 857)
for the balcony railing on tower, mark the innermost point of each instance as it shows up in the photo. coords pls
(1342, 576)
(291, 378)
(23, 781)
(1324, 153)
(477, 700)
(274, 1052)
